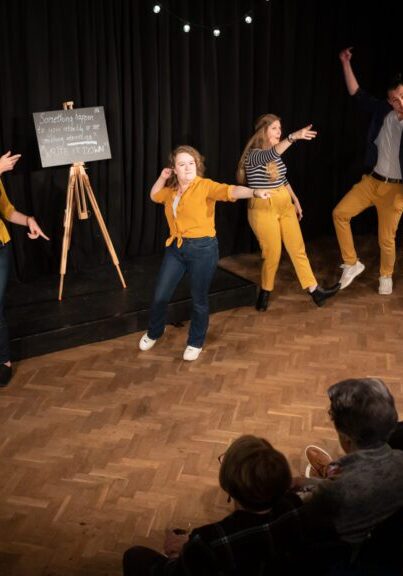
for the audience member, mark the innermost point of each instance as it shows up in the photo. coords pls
(257, 478)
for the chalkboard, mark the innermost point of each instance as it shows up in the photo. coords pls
(68, 136)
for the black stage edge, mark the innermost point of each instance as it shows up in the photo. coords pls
(95, 306)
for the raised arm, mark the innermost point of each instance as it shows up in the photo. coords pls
(8, 161)
(303, 134)
(160, 182)
(349, 76)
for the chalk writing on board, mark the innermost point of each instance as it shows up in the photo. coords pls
(68, 136)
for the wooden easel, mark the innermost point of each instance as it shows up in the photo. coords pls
(78, 189)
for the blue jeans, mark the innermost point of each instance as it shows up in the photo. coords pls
(198, 257)
(5, 259)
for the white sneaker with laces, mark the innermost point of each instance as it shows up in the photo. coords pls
(350, 272)
(146, 343)
(191, 353)
(385, 285)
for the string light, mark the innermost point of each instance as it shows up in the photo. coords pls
(216, 31)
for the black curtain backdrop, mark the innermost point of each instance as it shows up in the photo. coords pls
(161, 87)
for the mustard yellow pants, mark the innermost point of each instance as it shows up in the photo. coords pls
(274, 221)
(388, 201)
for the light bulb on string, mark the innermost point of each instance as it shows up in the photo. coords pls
(187, 26)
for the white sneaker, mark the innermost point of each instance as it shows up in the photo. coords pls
(350, 272)
(146, 343)
(191, 353)
(385, 285)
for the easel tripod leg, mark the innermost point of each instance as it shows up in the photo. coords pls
(103, 228)
(68, 226)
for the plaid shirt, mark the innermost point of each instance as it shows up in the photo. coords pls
(248, 544)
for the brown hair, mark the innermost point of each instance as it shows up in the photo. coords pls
(254, 473)
(172, 182)
(258, 140)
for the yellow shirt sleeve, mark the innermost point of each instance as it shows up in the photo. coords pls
(162, 195)
(6, 208)
(220, 192)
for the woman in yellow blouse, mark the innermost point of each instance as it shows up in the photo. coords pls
(8, 212)
(192, 247)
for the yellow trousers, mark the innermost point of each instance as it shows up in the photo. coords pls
(274, 221)
(388, 201)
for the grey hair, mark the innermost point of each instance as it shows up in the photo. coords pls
(363, 409)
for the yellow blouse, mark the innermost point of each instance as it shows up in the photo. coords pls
(6, 209)
(196, 208)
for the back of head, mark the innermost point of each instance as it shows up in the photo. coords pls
(363, 409)
(254, 474)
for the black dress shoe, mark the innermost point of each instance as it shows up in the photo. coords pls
(321, 294)
(5, 374)
(262, 301)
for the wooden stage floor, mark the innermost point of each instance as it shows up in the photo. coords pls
(103, 446)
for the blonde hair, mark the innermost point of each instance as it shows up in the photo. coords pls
(172, 181)
(258, 140)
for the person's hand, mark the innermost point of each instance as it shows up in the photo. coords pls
(301, 484)
(166, 173)
(263, 194)
(174, 543)
(304, 133)
(7, 162)
(298, 209)
(34, 229)
(346, 55)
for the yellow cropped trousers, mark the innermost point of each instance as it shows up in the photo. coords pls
(274, 221)
(388, 201)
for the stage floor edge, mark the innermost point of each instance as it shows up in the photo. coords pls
(96, 307)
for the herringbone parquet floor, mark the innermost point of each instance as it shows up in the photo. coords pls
(103, 446)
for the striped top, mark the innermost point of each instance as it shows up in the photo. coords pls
(265, 169)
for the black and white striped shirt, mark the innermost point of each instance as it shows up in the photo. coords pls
(265, 169)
